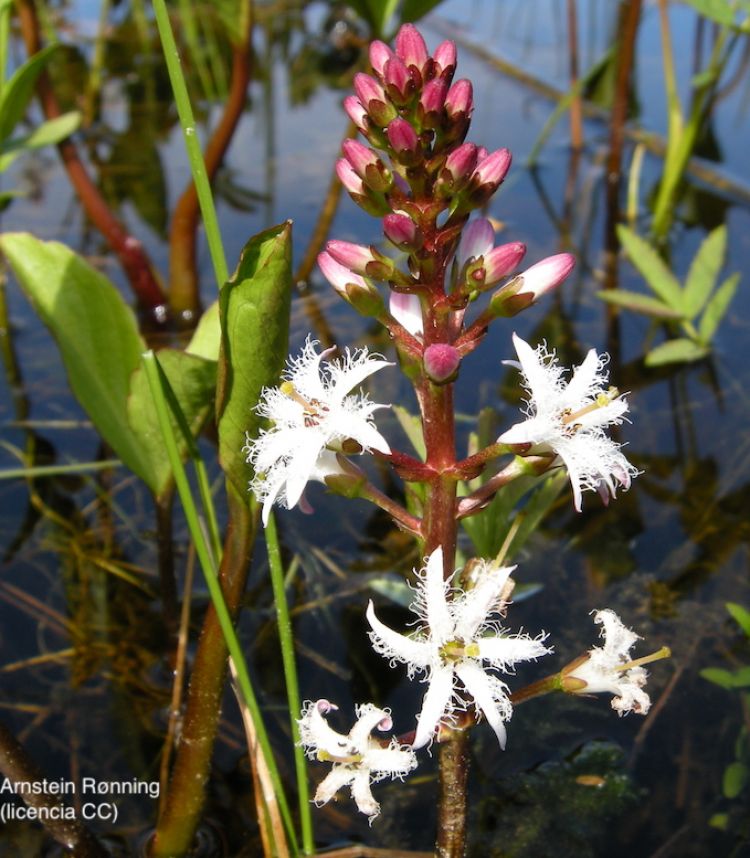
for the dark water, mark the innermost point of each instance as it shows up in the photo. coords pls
(84, 684)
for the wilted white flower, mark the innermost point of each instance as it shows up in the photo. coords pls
(609, 669)
(568, 418)
(457, 642)
(313, 413)
(358, 758)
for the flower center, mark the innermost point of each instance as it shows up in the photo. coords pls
(458, 649)
(570, 418)
(313, 409)
(326, 757)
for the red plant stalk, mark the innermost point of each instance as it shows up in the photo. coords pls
(140, 272)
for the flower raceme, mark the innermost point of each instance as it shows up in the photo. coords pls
(568, 419)
(358, 758)
(313, 414)
(456, 645)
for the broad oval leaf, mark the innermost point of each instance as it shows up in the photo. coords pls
(206, 339)
(639, 303)
(254, 307)
(676, 351)
(735, 779)
(95, 331)
(193, 382)
(719, 676)
(653, 269)
(704, 270)
(741, 616)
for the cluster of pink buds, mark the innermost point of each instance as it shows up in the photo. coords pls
(421, 176)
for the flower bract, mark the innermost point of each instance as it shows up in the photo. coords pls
(455, 646)
(358, 758)
(313, 413)
(568, 418)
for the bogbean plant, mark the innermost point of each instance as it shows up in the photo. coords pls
(417, 173)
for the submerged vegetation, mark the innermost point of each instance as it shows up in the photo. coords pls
(336, 602)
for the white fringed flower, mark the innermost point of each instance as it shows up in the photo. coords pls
(358, 759)
(457, 642)
(313, 413)
(609, 669)
(568, 418)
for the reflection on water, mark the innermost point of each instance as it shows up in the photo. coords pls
(86, 684)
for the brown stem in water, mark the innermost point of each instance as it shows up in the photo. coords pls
(576, 109)
(17, 766)
(454, 771)
(140, 272)
(183, 805)
(184, 292)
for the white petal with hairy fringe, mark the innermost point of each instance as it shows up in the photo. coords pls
(455, 645)
(358, 758)
(569, 418)
(312, 413)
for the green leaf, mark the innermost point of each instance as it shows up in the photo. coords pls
(381, 12)
(206, 339)
(46, 134)
(254, 309)
(719, 820)
(639, 303)
(676, 351)
(719, 676)
(741, 616)
(735, 778)
(742, 677)
(413, 10)
(193, 381)
(95, 331)
(412, 426)
(653, 269)
(715, 10)
(534, 511)
(704, 271)
(19, 90)
(717, 307)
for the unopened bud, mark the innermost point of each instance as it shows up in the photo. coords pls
(401, 230)
(348, 178)
(460, 99)
(490, 171)
(402, 137)
(373, 98)
(363, 296)
(399, 83)
(367, 165)
(477, 240)
(351, 256)
(432, 98)
(546, 275)
(411, 48)
(380, 53)
(441, 362)
(458, 167)
(356, 112)
(502, 260)
(406, 309)
(445, 59)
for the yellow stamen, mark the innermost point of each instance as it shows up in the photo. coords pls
(602, 400)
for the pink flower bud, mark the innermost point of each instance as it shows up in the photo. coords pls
(461, 162)
(353, 256)
(359, 156)
(356, 112)
(460, 99)
(441, 362)
(406, 309)
(401, 230)
(482, 153)
(501, 261)
(433, 95)
(445, 56)
(492, 169)
(380, 53)
(368, 89)
(410, 47)
(348, 178)
(547, 274)
(338, 275)
(397, 76)
(477, 240)
(402, 136)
